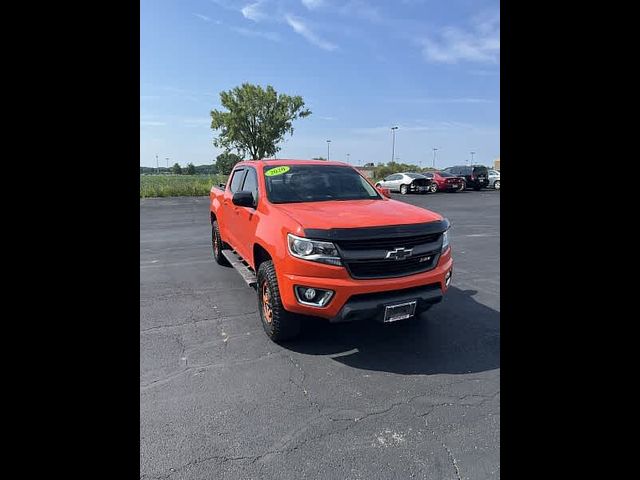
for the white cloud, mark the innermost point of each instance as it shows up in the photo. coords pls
(302, 29)
(202, 17)
(313, 4)
(272, 36)
(253, 12)
(480, 44)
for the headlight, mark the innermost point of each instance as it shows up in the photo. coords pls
(313, 250)
(445, 240)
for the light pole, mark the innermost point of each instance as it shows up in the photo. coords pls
(393, 143)
(472, 154)
(157, 165)
(434, 157)
(328, 142)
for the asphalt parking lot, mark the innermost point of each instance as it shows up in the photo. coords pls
(218, 400)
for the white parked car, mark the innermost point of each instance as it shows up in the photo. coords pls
(405, 183)
(494, 179)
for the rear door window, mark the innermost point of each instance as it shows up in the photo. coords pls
(236, 180)
(251, 183)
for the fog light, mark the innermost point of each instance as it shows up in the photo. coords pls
(315, 297)
(447, 278)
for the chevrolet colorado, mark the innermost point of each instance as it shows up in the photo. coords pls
(317, 239)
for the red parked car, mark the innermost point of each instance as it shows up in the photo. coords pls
(443, 181)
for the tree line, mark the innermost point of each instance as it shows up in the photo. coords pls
(223, 165)
(176, 169)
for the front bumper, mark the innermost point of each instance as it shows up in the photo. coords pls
(372, 306)
(358, 299)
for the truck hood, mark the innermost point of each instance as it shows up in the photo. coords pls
(356, 213)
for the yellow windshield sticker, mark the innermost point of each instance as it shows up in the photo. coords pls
(277, 171)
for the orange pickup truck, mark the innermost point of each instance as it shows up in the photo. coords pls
(317, 239)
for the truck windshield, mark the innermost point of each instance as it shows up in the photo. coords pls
(316, 183)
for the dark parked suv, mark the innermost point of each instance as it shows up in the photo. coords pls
(475, 176)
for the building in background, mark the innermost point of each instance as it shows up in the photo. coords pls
(496, 164)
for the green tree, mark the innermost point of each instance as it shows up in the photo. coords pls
(191, 169)
(225, 162)
(256, 121)
(382, 171)
(176, 169)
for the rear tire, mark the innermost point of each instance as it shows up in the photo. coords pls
(278, 324)
(433, 188)
(496, 184)
(218, 245)
(462, 187)
(404, 189)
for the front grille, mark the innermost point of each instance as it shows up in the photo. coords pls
(387, 243)
(392, 268)
(366, 258)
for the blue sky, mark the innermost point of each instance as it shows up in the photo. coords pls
(431, 67)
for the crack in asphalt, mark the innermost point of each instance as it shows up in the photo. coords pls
(193, 322)
(206, 366)
(301, 384)
(222, 458)
(452, 458)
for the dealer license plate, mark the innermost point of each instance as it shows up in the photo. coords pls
(400, 311)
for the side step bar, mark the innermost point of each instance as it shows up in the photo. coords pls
(245, 271)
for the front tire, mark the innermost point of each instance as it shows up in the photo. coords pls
(404, 189)
(496, 184)
(433, 188)
(218, 245)
(278, 324)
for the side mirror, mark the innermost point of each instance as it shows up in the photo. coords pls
(243, 199)
(385, 191)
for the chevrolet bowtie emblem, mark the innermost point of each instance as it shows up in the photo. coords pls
(399, 253)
